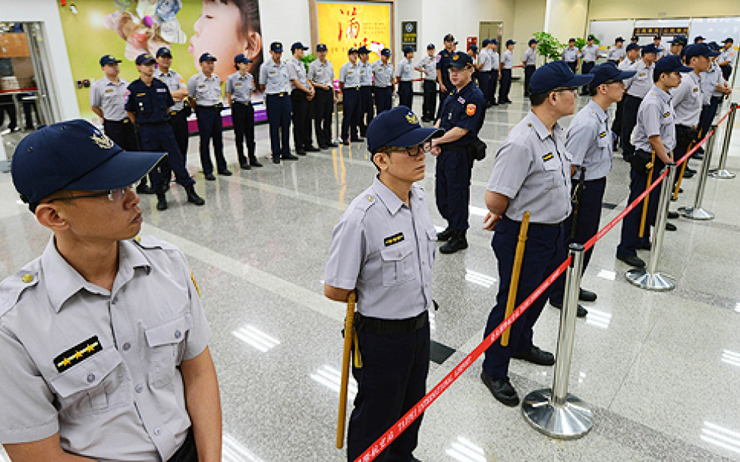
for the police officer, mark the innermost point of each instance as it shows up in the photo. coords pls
(405, 78)
(88, 329)
(366, 89)
(699, 39)
(590, 54)
(485, 63)
(349, 83)
(531, 173)
(655, 131)
(635, 39)
(428, 66)
(713, 88)
(383, 248)
(495, 72)
(632, 54)
(507, 63)
(275, 83)
(239, 88)
(148, 106)
(726, 58)
(179, 112)
(443, 63)
(656, 42)
(301, 94)
(637, 88)
(383, 82)
(204, 94)
(572, 55)
(677, 44)
(529, 61)
(687, 100)
(588, 142)
(616, 53)
(462, 118)
(321, 77)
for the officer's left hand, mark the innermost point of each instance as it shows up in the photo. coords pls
(435, 151)
(490, 221)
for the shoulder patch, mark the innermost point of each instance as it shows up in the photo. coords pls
(12, 288)
(470, 110)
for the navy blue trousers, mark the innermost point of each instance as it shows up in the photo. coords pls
(122, 134)
(484, 82)
(301, 120)
(391, 381)
(528, 71)
(452, 187)
(629, 120)
(352, 104)
(210, 128)
(585, 69)
(406, 94)
(543, 253)
(443, 95)
(323, 109)
(383, 99)
(503, 94)
(707, 115)
(366, 108)
(589, 216)
(161, 138)
(179, 124)
(630, 241)
(279, 110)
(429, 107)
(243, 118)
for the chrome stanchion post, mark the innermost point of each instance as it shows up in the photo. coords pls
(649, 278)
(697, 212)
(721, 173)
(554, 411)
(338, 139)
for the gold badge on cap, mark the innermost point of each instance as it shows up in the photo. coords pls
(411, 117)
(102, 140)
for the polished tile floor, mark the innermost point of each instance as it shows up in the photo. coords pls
(660, 370)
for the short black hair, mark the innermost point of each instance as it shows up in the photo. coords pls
(538, 98)
(592, 91)
(656, 75)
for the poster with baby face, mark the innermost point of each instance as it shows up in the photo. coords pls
(128, 28)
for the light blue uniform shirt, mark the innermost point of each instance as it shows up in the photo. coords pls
(321, 73)
(571, 54)
(366, 73)
(532, 169)
(655, 117)
(589, 142)
(709, 81)
(385, 250)
(350, 74)
(297, 71)
(495, 61)
(429, 64)
(405, 70)
(174, 82)
(485, 60)
(274, 77)
(100, 367)
(383, 74)
(205, 90)
(642, 82)
(687, 101)
(529, 57)
(110, 98)
(615, 54)
(508, 58)
(240, 87)
(590, 53)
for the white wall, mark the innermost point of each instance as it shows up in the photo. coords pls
(285, 21)
(60, 78)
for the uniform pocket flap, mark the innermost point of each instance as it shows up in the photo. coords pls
(396, 252)
(169, 332)
(87, 374)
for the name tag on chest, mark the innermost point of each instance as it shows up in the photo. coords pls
(390, 240)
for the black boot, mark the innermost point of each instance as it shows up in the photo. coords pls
(193, 196)
(161, 200)
(457, 242)
(446, 234)
(254, 162)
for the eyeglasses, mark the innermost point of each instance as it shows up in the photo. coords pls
(113, 195)
(566, 89)
(412, 151)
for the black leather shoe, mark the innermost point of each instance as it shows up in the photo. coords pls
(226, 172)
(301, 152)
(312, 148)
(323, 146)
(446, 234)
(647, 246)
(672, 215)
(501, 389)
(697, 155)
(161, 201)
(245, 166)
(426, 119)
(670, 227)
(210, 177)
(356, 140)
(689, 169)
(688, 174)
(580, 313)
(254, 162)
(275, 160)
(587, 296)
(332, 145)
(632, 260)
(144, 189)
(345, 142)
(288, 157)
(536, 356)
(457, 242)
(193, 197)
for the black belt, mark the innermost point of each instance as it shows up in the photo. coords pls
(122, 121)
(453, 147)
(174, 113)
(247, 104)
(277, 95)
(215, 107)
(351, 88)
(187, 452)
(390, 326)
(162, 122)
(589, 62)
(382, 88)
(367, 86)
(545, 225)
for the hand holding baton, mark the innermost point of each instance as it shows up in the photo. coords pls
(349, 334)
(576, 199)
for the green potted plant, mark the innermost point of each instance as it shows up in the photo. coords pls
(548, 46)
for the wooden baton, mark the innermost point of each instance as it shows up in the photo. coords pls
(346, 355)
(514, 285)
(645, 202)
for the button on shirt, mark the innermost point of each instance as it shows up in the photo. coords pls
(321, 73)
(205, 90)
(274, 77)
(589, 142)
(465, 109)
(655, 117)
(710, 79)
(485, 60)
(240, 87)
(508, 59)
(495, 60)
(174, 82)
(532, 169)
(590, 53)
(686, 100)
(429, 64)
(150, 103)
(615, 54)
(366, 73)
(529, 57)
(385, 249)
(383, 74)
(297, 71)
(642, 82)
(110, 98)
(571, 54)
(350, 74)
(405, 70)
(100, 367)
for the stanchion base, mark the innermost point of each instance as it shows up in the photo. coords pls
(722, 174)
(650, 281)
(570, 421)
(695, 214)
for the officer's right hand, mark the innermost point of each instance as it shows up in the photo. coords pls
(490, 221)
(443, 88)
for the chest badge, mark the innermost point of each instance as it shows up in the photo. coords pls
(547, 157)
(470, 110)
(79, 353)
(396, 238)
(602, 134)
(666, 114)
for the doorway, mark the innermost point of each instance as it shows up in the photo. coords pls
(490, 29)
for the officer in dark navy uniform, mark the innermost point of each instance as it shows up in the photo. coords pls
(461, 116)
(148, 106)
(443, 63)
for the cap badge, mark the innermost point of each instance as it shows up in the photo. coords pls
(411, 117)
(455, 58)
(102, 140)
